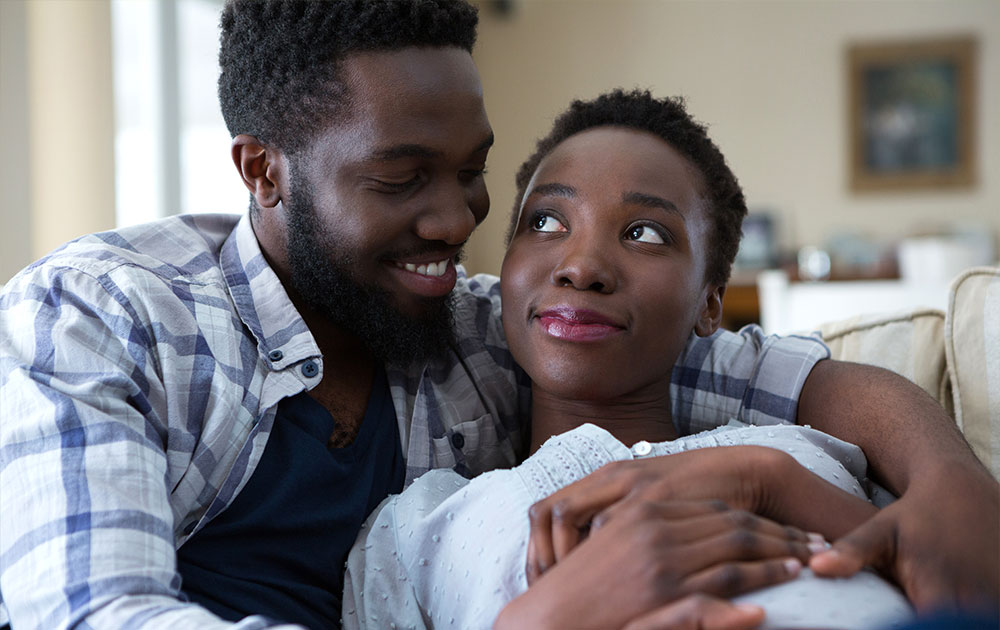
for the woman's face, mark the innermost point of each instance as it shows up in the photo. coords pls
(603, 281)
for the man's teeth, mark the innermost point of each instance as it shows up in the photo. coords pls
(436, 269)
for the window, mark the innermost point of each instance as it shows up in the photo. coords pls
(171, 144)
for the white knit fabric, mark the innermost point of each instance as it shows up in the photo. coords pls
(450, 553)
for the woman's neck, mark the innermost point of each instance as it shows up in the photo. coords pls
(629, 420)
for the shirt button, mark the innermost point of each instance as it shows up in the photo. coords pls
(276, 355)
(457, 440)
(642, 448)
(310, 369)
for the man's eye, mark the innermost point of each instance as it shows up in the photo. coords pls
(546, 223)
(644, 234)
(396, 187)
(472, 174)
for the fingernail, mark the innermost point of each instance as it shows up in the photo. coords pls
(818, 547)
(793, 566)
(814, 537)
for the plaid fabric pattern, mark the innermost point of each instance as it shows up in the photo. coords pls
(140, 371)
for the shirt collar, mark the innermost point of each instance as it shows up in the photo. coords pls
(262, 302)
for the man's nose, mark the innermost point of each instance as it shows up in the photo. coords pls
(449, 217)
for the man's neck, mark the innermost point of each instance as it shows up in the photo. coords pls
(348, 364)
(348, 373)
(628, 420)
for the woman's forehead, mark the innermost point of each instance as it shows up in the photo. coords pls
(620, 154)
(618, 161)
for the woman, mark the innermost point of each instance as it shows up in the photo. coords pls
(626, 227)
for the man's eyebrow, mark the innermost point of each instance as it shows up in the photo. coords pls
(553, 190)
(419, 151)
(651, 201)
(405, 151)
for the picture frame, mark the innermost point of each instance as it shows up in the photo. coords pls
(912, 114)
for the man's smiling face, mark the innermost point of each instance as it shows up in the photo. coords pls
(379, 206)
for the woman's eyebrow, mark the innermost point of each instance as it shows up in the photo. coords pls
(651, 201)
(554, 190)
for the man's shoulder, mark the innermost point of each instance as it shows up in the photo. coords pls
(476, 310)
(477, 302)
(726, 351)
(182, 248)
(155, 272)
(479, 288)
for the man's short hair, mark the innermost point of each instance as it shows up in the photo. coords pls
(280, 58)
(668, 119)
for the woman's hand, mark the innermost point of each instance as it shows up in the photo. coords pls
(751, 478)
(652, 554)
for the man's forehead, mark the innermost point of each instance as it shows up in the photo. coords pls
(413, 100)
(410, 71)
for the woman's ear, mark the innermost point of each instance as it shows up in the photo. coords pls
(261, 168)
(710, 317)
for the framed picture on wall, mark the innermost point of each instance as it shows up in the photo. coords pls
(912, 114)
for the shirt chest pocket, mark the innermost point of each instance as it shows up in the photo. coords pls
(472, 447)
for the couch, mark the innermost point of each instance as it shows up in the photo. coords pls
(953, 355)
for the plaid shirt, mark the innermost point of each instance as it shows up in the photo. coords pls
(140, 371)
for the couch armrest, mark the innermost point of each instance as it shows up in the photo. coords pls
(972, 348)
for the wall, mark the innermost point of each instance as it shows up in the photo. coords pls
(58, 125)
(768, 76)
(15, 211)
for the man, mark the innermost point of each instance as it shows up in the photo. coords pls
(199, 413)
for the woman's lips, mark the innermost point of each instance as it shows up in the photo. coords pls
(577, 325)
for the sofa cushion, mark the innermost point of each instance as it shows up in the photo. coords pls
(910, 343)
(972, 347)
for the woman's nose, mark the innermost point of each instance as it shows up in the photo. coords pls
(586, 266)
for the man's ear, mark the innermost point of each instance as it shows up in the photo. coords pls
(261, 168)
(710, 317)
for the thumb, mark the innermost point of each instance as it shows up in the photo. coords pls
(871, 543)
(700, 612)
(733, 617)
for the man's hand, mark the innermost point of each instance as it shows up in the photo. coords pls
(653, 554)
(753, 478)
(940, 539)
(942, 546)
(700, 612)
(559, 521)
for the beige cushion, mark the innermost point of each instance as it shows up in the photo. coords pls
(910, 343)
(972, 347)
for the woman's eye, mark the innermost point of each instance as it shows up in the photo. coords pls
(644, 234)
(546, 223)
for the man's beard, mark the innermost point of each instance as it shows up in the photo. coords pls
(322, 278)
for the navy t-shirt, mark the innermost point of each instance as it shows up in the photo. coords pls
(279, 549)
